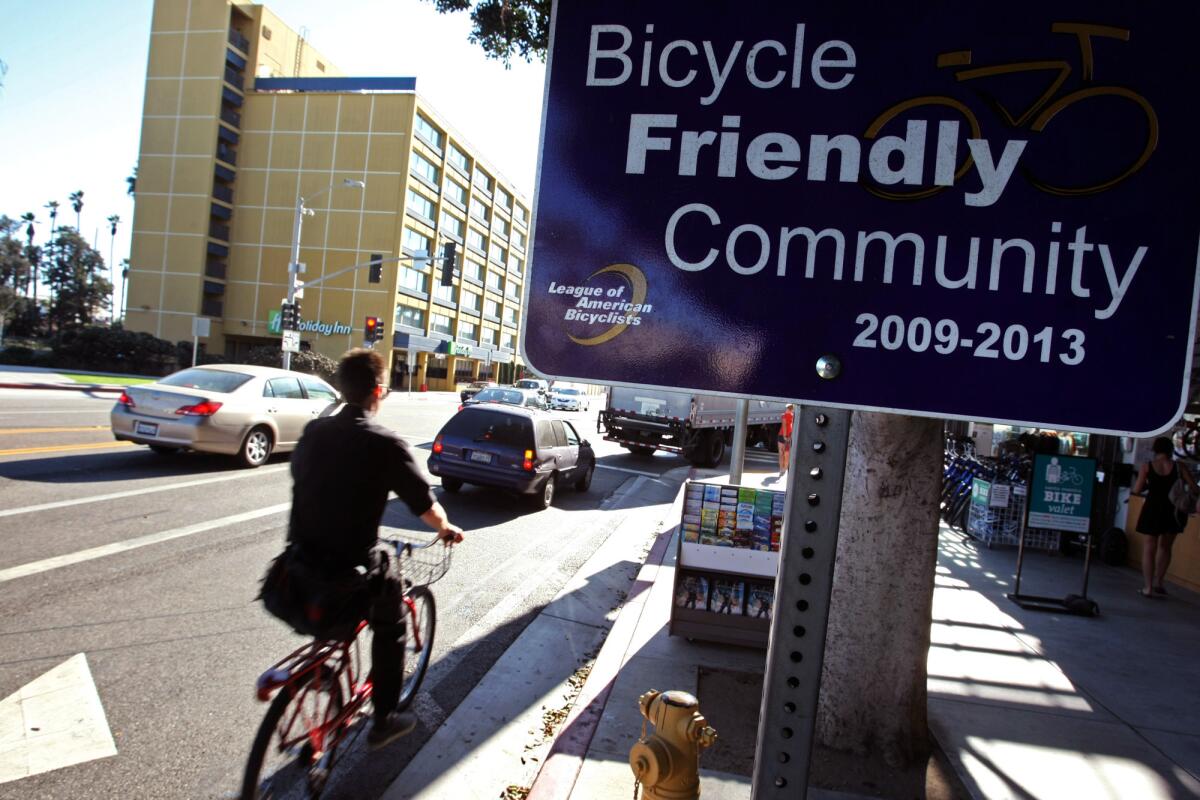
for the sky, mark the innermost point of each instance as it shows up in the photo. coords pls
(71, 101)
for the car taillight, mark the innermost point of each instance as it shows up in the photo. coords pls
(461, 406)
(126, 400)
(437, 445)
(527, 464)
(205, 408)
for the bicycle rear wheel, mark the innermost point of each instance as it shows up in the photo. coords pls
(418, 643)
(292, 741)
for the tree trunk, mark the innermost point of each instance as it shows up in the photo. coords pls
(873, 684)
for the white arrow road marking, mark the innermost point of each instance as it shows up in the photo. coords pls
(52, 722)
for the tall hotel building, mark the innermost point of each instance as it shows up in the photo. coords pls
(243, 117)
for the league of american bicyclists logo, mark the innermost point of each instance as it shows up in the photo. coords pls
(604, 305)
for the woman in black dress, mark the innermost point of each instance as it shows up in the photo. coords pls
(1159, 521)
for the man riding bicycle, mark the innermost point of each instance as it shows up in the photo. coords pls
(343, 468)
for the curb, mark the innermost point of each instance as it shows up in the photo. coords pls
(560, 769)
(67, 387)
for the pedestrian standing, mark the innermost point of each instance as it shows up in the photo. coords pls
(785, 439)
(1160, 522)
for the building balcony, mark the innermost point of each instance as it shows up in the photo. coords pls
(222, 193)
(224, 174)
(212, 307)
(218, 231)
(227, 155)
(230, 116)
(235, 61)
(215, 269)
(240, 42)
(230, 96)
(234, 78)
(220, 212)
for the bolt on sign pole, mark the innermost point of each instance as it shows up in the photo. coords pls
(788, 716)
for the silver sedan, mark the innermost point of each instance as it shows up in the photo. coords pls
(235, 409)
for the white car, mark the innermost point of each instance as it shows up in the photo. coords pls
(568, 399)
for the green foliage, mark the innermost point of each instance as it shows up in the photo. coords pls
(22, 356)
(75, 275)
(308, 361)
(101, 349)
(504, 28)
(183, 355)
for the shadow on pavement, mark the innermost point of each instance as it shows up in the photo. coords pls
(127, 464)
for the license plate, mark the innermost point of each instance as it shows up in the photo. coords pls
(482, 458)
(148, 428)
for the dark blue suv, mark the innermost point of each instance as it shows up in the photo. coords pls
(521, 449)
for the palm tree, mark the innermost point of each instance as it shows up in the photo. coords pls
(77, 204)
(53, 206)
(131, 182)
(28, 218)
(113, 222)
(124, 287)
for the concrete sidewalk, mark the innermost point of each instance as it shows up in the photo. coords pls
(1025, 704)
(14, 377)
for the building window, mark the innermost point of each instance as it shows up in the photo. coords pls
(444, 293)
(514, 263)
(456, 191)
(510, 316)
(472, 270)
(468, 331)
(488, 337)
(412, 279)
(425, 168)
(518, 238)
(479, 211)
(491, 308)
(440, 323)
(470, 301)
(513, 289)
(501, 226)
(498, 253)
(428, 132)
(484, 181)
(452, 224)
(521, 214)
(420, 204)
(506, 340)
(504, 199)
(459, 159)
(475, 239)
(411, 317)
(415, 242)
(495, 282)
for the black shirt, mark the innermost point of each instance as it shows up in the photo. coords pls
(342, 470)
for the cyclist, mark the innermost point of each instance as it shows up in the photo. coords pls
(343, 468)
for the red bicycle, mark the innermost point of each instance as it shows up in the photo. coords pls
(321, 688)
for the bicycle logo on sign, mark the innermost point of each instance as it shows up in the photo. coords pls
(1039, 115)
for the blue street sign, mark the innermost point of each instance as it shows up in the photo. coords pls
(978, 214)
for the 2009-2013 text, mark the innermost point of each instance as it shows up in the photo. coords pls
(1014, 342)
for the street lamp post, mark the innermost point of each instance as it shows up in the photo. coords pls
(294, 258)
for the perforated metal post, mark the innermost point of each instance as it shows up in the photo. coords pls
(787, 718)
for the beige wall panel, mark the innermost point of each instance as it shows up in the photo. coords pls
(355, 115)
(289, 113)
(209, 15)
(285, 151)
(322, 113)
(147, 250)
(387, 154)
(169, 15)
(197, 137)
(253, 148)
(278, 227)
(336, 305)
(274, 268)
(243, 262)
(205, 56)
(166, 56)
(239, 305)
(188, 215)
(256, 113)
(318, 155)
(201, 96)
(181, 293)
(380, 234)
(247, 225)
(143, 291)
(186, 254)
(176, 328)
(342, 233)
(393, 113)
(138, 320)
(282, 190)
(158, 136)
(250, 188)
(384, 193)
(193, 176)
(351, 154)
(162, 97)
(151, 215)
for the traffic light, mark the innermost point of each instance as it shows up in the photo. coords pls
(375, 271)
(289, 316)
(372, 331)
(449, 252)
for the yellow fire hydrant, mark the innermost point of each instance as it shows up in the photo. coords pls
(667, 763)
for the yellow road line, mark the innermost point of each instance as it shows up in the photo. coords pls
(53, 430)
(62, 447)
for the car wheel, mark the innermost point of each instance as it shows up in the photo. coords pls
(585, 482)
(452, 485)
(256, 448)
(545, 496)
(641, 450)
(163, 450)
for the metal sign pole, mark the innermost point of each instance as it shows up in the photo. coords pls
(788, 716)
(737, 459)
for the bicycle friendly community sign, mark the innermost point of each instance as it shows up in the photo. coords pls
(958, 211)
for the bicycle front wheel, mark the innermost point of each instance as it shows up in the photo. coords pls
(292, 740)
(418, 643)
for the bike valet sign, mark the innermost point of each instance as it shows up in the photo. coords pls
(965, 214)
(1061, 496)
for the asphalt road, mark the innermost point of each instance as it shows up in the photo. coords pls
(148, 565)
